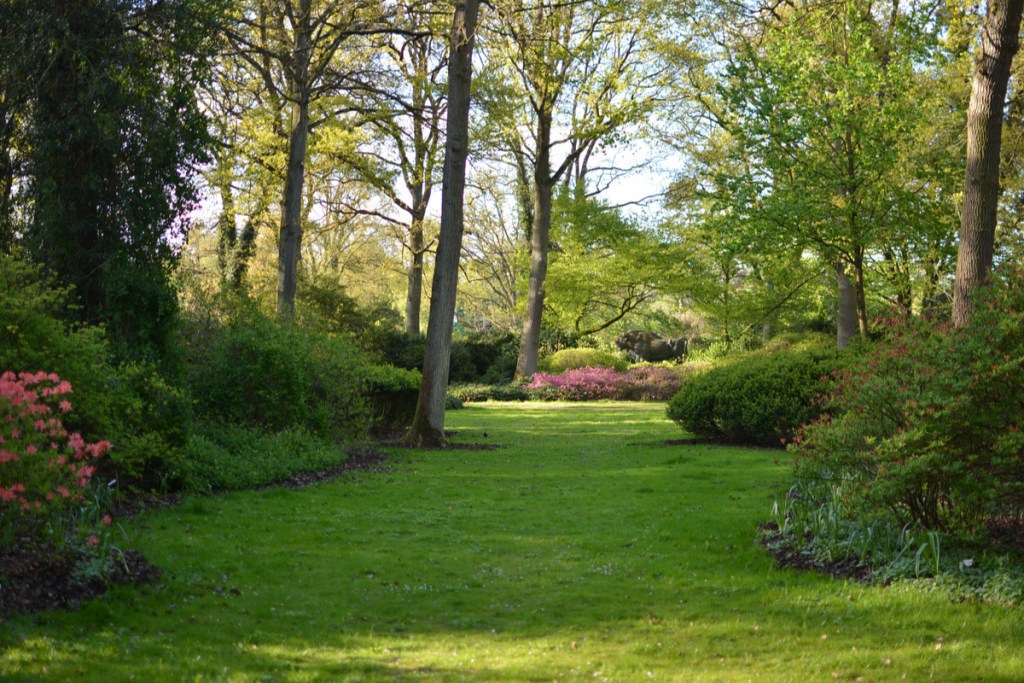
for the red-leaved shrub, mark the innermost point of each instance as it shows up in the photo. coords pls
(927, 428)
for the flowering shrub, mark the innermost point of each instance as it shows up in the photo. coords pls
(135, 405)
(643, 383)
(41, 465)
(927, 429)
(583, 384)
(650, 383)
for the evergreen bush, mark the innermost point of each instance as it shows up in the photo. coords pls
(761, 399)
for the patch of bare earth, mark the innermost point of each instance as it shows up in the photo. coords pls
(782, 546)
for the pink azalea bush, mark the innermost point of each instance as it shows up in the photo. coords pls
(42, 466)
(643, 383)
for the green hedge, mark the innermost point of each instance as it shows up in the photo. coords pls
(391, 394)
(476, 393)
(761, 399)
(575, 359)
(247, 369)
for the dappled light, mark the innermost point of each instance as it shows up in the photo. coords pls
(511, 340)
(611, 555)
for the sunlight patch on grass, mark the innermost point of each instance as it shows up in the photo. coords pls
(601, 555)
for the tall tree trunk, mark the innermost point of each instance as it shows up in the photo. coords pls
(419, 183)
(860, 289)
(227, 236)
(543, 185)
(999, 42)
(524, 195)
(414, 289)
(846, 326)
(290, 244)
(428, 423)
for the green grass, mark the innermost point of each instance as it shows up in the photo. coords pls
(584, 548)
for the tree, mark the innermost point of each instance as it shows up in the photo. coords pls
(292, 46)
(113, 138)
(580, 79)
(428, 423)
(16, 32)
(405, 106)
(823, 110)
(1000, 39)
(605, 267)
(742, 283)
(494, 256)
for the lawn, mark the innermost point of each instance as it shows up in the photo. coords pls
(584, 547)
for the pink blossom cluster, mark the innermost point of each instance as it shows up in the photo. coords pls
(41, 465)
(644, 383)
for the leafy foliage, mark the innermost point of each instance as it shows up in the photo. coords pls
(475, 393)
(574, 359)
(131, 404)
(478, 357)
(760, 399)
(926, 430)
(250, 370)
(232, 457)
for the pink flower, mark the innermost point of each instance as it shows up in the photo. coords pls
(76, 441)
(64, 493)
(98, 449)
(65, 406)
(93, 540)
(7, 456)
(107, 520)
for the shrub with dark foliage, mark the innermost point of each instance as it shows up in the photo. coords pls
(250, 370)
(761, 399)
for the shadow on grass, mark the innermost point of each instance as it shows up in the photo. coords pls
(556, 557)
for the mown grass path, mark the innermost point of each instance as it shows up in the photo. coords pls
(583, 548)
